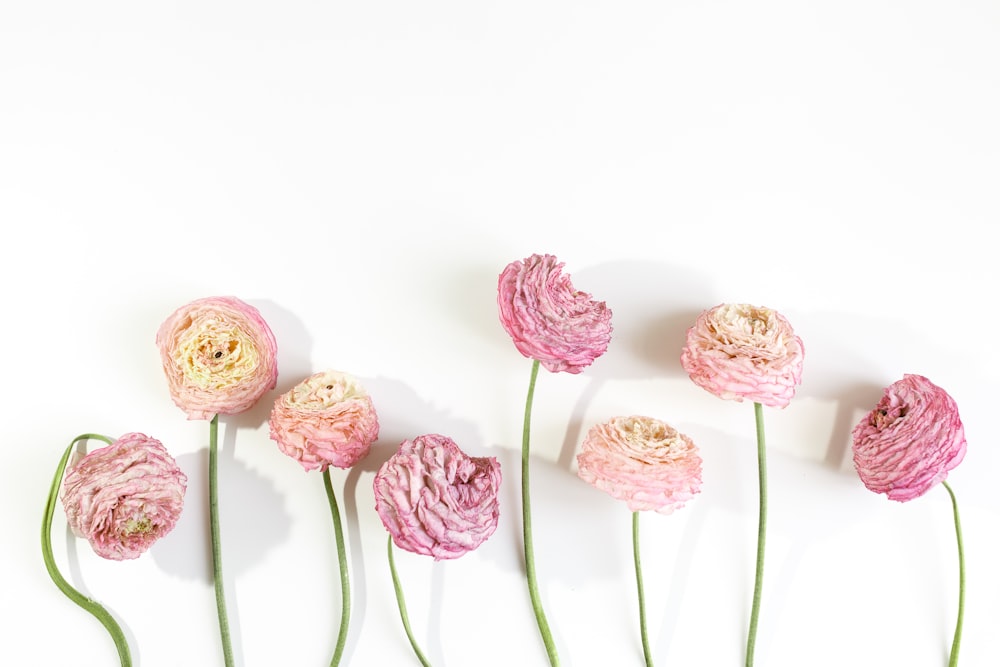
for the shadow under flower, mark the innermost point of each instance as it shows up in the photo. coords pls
(653, 304)
(410, 416)
(254, 521)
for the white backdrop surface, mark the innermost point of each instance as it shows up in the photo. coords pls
(362, 172)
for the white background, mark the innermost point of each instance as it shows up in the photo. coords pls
(362, 172)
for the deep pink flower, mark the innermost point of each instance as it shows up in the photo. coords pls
(910, 441)
(550, 321)
(739, 351)
(435, 500)
(219, 356)
(643, 461)
(123, 497)
(327, 419)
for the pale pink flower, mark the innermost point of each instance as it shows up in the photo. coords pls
(219, 356)
(550, 321)
(910, 441)
(123, 497)
(643, 461)
(435, 500)
(739, 351)
(326, 420)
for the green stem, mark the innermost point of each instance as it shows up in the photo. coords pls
(345, 582)
(402, 607)
(642, 596)
(956, 643)
(213, 509)
(529, 550)
(758, 410)
(99, 612)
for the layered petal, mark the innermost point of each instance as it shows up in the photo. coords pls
(219, 356)
(435, 500)
(327, 419)
(549, 320)
(910, 441)
(643, 461)
(123, 497)
(742, 352)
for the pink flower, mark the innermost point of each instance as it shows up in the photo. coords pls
(327, 419)
(739, 351)
(643, 461)
(435, 500)
(123, 497)
(565, 330)
(910, 441)
(219, 356)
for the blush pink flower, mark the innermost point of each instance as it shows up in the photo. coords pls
(219, 356)
(327, 419)
(123, 497)
(910, 441)
(643, 461)
(550, 321)
(435, 500)
(739, 351)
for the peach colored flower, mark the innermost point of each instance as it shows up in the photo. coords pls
(219, 356)
(910, 441)
(123, 497)
(643, 461)
(549, 320)
(327, 419)
(435, 500)
(739, 351)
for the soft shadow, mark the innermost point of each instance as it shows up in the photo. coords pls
(652, 304)
(411, 416)
(252, 518)
(294, 361)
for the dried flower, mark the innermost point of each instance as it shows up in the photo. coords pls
(219, 356)
(123, 497)
(739, 351)
(435, 500)
(550, 321)
(643, 461)
(910, 441)
(327, 419)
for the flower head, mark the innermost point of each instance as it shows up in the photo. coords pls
(435, 500)
(643, 461)
(123, 497)
(327, 419)
(910, 441)
(219, 356)
(739, 351)
(550, 321)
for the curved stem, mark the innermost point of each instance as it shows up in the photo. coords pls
(758, 410)
(345, 581)
(402, 607)
(957, 641)
(529, 550)
(642, 596)
(213, 509)
(98, 611)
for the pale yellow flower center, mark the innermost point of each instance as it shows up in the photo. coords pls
(138, 524)
(216, 355)
(324, 390)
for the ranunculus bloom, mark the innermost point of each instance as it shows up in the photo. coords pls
(123, 497)
(739, 351)
(219, 356)
(643, 461)
(327, 419)
(910, 441)
(550, 321)
(435, 500)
